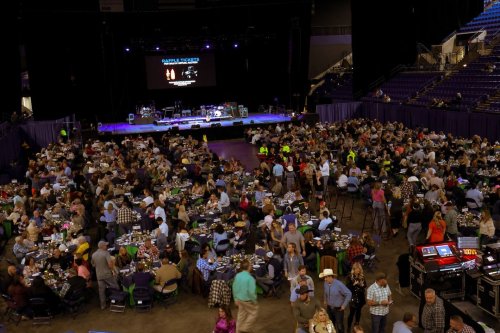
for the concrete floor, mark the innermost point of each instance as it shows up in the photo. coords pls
(191, 313)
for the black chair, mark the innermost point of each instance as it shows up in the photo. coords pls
(11, 311)
(118, 300)
(143, 299)
(275, 287)
(40, 310)
(74, 303)
(165, 296)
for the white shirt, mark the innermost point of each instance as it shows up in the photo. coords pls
(224, 200)
(160, 212)
(342, 181)
(325, 169)
(324, 223)
(164, 229)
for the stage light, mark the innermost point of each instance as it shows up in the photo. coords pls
(157, 48)
(207, 46)
(127, 49)
(235, 45)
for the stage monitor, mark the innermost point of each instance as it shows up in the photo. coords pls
(468, 242)
(428, 251)
(180, 71)
(444, 250)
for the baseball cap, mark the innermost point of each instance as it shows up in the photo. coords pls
(102, 243)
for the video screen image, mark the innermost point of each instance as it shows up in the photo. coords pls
(429, 251)
(166, 72)
(444, 250)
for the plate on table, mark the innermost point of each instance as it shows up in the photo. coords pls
(256, 266)
(317, 238)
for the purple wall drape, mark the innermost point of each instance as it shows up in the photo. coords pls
(37, 134)
(458, 123)
(338, 111)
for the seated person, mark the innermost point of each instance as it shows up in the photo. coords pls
(240, 239)
(355, 249)
(82, 270)
(20, 249)
(19, 293)
(219, 235)
(213, 202)
(140, 278)
(83, 248)
(31, 268)
(73, 284)
(58, 260)
(39, 289)
(123, 258)
(171, 254)
(165, 273)
(148, 250)
(274, 271)
(325, 221)
(206, 266)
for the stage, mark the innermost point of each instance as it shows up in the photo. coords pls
(192, 123)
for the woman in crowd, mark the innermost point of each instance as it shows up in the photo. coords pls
(486, 227)
(379, 206)
(356, 283)
(321, 323)
(437, 229)
(414, 222)
(292, 261)
(276, 234)
(123, 258)
(182, 214)
(224, 322)
(197, 189)
(368, 243)
(311, 251)
(31, 268)
(396, 210)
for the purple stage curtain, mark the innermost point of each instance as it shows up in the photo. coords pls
(458, 123)
(338, 111)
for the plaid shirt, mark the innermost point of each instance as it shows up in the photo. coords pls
(152, 252)
(220, 294)
(205, 268)
(126, 216)
(433, 317)
(377, 294)
(354, 251)
(465, 329)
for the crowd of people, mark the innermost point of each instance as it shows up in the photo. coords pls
(115, 186)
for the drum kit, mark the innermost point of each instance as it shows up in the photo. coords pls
(215, 111)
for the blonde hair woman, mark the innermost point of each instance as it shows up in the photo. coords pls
(321, 323)
(396, 210)
(356, 283)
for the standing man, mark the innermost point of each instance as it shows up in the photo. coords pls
(245, 298)
(336, 297)
(379, 298)
(325, 171)
(304, 309)
(125, 217)
(293, 236)
(433, 313)
(101, 260)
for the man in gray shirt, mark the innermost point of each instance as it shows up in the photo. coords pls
(101, 260)
(293, 236)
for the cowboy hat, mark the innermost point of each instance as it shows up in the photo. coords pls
(327, 272)
(413, 179)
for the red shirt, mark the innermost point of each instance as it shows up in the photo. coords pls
(437, 233)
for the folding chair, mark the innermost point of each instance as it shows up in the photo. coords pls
(165, 296)
(143, 299)
(41, 311)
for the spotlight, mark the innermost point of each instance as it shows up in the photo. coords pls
(157, 48)
(127, 49)
(207, 46)
(235, 45)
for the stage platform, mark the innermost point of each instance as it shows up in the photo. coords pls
(187, 123)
